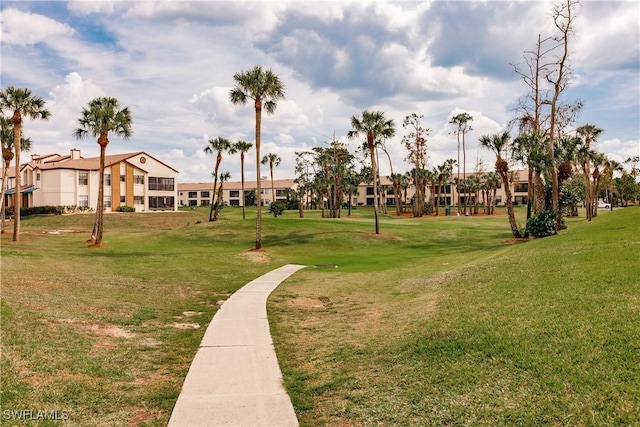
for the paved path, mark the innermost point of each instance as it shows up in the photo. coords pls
(235, 380)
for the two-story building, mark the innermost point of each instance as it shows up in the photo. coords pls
(200, 193)
(133, 179)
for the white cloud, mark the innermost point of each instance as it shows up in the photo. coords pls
(23, 28)
(173, 62)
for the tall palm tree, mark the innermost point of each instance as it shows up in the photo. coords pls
(445, 172)
(589, 133)
(241, 147)
(492, 181)
(530, 148)
(6, 138)
(274, 161)
(462, 122)
(373, 125)
(218, 145)
(103, 115)
(224, 176)
(265, 89)
(498, 143)
(20, 102)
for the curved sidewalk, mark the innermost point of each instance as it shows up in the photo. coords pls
(234, 379)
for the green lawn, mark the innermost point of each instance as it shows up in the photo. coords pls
(438, 321)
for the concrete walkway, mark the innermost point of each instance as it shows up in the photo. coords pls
(235, 380)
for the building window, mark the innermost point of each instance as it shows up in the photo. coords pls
(160, 202)
(123, 199)
(107, 201)
(37, 177)
(205, 194)
(83, 201)
(83, 178)
(138, 200)
(107, 179)
(234, 193)
(122, 178)
(205, 202)
(369, 191)
(161, 184)
(138, 179)
(521, 187)
(193, 202)
(234, 202)
(193, 194)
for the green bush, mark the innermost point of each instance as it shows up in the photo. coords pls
(41, 210)
(125, 208)
(541, 225)
(277, 208)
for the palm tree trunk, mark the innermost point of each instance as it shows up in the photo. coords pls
(510, 211)
(437, 202)
(273, 191)
(374, 172)
(215, 188)
(100, 208)
(529, 191)
(458, 181)
(587, 186)
(5, 171)
(258, 108)
(464, 176)
(538, 188)
(242, 185)
(17, 196)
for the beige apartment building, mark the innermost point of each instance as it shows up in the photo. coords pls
(200, 194)
(132, 179)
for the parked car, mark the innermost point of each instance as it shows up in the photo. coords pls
(603, 205)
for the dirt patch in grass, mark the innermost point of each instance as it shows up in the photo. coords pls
(385, 236)
(514, 240)
(258, 256)
(191, 313)
(307, 303)
(185, 325)
(141, 416)
(112, 331)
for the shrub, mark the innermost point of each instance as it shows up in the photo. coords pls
(125, 208)
(541, 225)
(41, 210)
(277, 208)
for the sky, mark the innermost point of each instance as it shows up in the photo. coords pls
(172, 63)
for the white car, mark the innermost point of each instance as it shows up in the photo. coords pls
(603, 205)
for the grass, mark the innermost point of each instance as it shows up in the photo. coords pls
(436, 322)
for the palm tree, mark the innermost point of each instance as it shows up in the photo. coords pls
(103, 115)
(589, 134)
(610, 167)
(444, 172)
(6, 137)
(492, 181)
(242, 147)
(224, 176)
(274, 161)
(498, 144)
(530, 148)
(20, 102)
(218, 145)
(265, 89)
(462, 122)
(373, 125)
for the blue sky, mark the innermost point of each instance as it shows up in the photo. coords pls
(172, 63)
